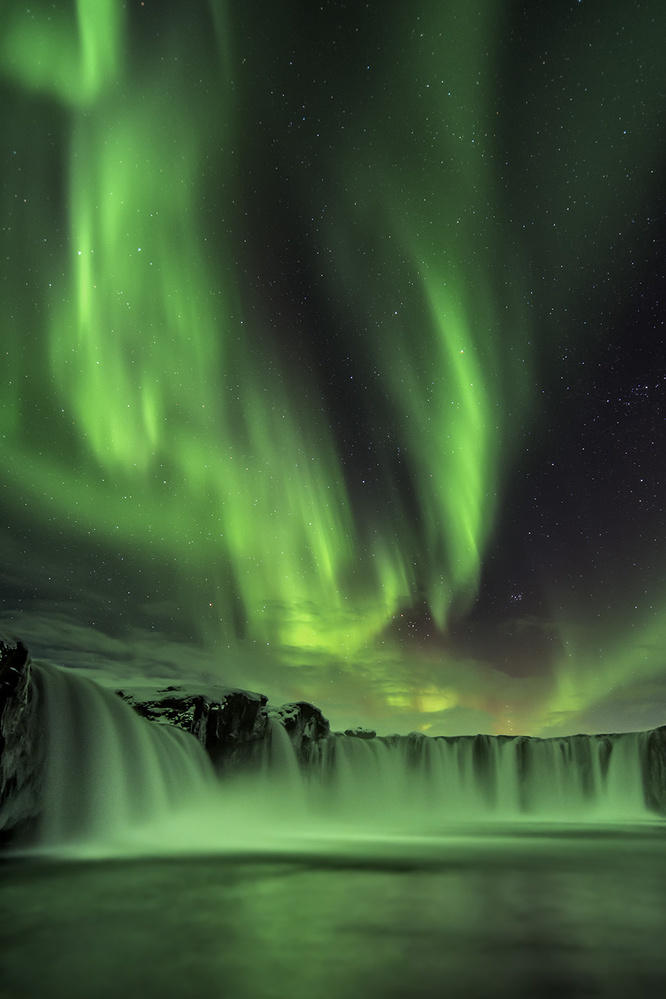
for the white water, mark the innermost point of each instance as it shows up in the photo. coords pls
(419, 782)
(106, 771)
(394, 797)
(115, 782)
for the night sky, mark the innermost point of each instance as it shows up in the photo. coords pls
(333, 362)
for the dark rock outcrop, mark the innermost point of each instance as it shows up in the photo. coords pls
(361, 733)
(654, 770)
(229, 726)
(20, 749)
(305, 725)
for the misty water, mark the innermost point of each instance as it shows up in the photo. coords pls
(549, 913)
(405, 868)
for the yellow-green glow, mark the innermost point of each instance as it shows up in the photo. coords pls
(273, 331)
(455, 440)
(188, 436)
(74, 61)
(437, 319)
(191, 440)
(592, 672)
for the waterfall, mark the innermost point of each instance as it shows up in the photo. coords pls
(417, 781)
(105, 770)
(417, 785)
(111, 780)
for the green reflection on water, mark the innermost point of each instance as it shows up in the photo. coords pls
(489, 916)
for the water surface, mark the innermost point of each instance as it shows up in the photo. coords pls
(530, 912)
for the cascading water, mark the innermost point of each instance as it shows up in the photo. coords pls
(412, 782)
(354, 792)
(111, 780)
(105, 770)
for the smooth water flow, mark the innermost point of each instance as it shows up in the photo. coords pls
(106, 771)
(112, 780)
(432, 783)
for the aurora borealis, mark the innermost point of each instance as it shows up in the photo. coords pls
(333, 359)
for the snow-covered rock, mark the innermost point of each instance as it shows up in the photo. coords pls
(228, 723)
(305, 726)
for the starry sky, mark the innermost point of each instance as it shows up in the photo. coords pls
(333, 364)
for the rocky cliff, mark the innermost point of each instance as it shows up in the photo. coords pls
(654, 770)
(231, 724)
(20, 745)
